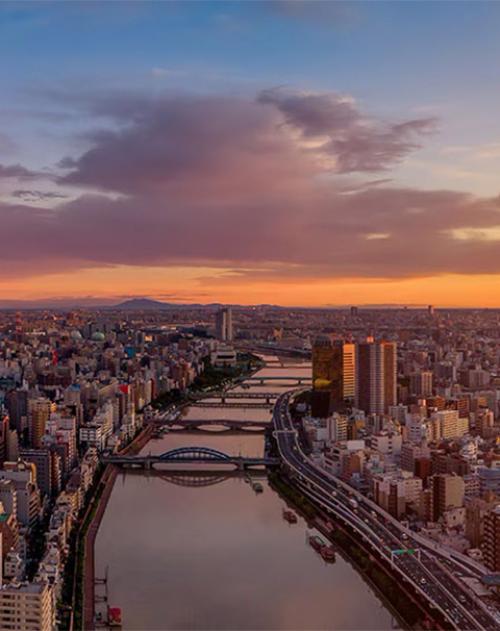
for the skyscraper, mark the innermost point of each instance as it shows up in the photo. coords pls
(328, 369)
(376, 376)
(224, 324)
(349, 371)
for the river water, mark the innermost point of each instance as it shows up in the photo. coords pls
(217, 555)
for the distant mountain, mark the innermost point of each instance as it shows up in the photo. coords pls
(142, 304)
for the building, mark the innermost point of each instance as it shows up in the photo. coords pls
(421, 383)
(327, 369)
(491, 539)
(349, 371)
(447, 492)
(450, 424)
(27, 607)
(38, 415)
(376, 372)
(224, 356)
(476, 509)
(224, 324)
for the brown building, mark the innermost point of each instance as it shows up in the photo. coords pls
(38, 415)
(491, 540)
(328, 369)
(447, 492)
(476, 509)
(376, 371)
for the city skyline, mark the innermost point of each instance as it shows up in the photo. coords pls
(289, 153)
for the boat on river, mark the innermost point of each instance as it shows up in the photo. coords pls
(114, 617)
(289, 516)
(316, 542)
(327, 554)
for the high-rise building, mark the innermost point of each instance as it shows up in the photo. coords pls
(491, 539)
(376, 376)
(38, 415)
(421, 383)
(27, 607)
(224, 324)
(349, 371)
(17, 406)
(327, 369)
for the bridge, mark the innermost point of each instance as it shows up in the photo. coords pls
(188, 424)
(181, 457)
(254, 405)
(233, 399)
(282, 366)
(298, 379)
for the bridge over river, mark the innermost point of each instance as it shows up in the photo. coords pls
(187, 424)
(186, 456)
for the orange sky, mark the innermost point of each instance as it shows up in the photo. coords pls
(215, 285)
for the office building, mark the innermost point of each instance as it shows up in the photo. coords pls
(327, 368)
(349, 371)
(376, 376)
(421, 384)
(224, 324)
(38, 415)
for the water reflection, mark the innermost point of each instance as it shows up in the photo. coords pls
(198, 551)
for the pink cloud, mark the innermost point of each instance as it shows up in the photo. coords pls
(229, 182)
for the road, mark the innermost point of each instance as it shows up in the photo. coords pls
(434, 572)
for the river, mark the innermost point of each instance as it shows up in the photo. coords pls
(220, 556)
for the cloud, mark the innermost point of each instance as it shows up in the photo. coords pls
(37, 196)
(355, 141)
(17, 171)
(242, 184)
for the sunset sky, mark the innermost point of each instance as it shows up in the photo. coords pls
(295, 153)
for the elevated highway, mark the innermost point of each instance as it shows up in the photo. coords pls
(432, 571)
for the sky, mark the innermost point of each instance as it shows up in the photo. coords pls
(294, 153)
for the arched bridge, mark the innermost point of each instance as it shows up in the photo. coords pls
(186, 456)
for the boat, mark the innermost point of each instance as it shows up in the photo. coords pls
(289, 516)
(316, 542)
(114, 617)
(328, 554)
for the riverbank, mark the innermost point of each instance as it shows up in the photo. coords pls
(99, 506)
(408, 611)
(83, 600)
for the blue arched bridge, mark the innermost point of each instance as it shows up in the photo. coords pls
(180, 457)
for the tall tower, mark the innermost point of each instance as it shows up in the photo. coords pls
(224, 324)
(376, 376)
